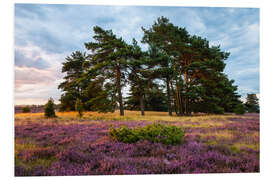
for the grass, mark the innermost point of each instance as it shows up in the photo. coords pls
(205, 120)
(23, 146)
(220, 135)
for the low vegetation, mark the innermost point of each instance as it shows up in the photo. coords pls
(154, 133)
(68, 145)
(26, 109)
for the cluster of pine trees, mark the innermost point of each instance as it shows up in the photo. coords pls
(178, 73)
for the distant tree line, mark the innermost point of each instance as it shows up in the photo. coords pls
(178, 73)
(31, 108)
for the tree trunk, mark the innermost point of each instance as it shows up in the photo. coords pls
(175, 108)
(142, 105)
(118, 77)
(174, 100)
(179, 100)
(181, 104)
(169, 97)
(186, 89)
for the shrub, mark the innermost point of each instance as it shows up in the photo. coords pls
(123, 134)
(49, 109)
(79, 107)
(26, 109)
(239, 109)
(154, 133)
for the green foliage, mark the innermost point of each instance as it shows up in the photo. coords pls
(218, 110)
(240, 109)
(49, 109)
(123, 134)
(192, 67)
(79, 107)
(155, 100)
(26, 109)
(85, 82)
(67, 100)
(109, 56)
(137, 78)
(179, 72)
(102, 96)
(73, 84)
(252, 103)
(159, 133)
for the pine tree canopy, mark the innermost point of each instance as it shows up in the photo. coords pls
(179, 72)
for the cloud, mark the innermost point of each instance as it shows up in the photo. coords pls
(32, 81)
(22, 61)
(31, 55)
(247, 71)
(25, 76)
(35, 84)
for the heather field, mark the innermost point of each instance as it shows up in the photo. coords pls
(68, 145)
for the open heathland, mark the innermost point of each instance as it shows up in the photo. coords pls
(69, 145)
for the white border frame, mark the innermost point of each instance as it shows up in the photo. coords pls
(7, 82)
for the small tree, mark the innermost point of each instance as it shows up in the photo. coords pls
(252, 103)
(49, 109)
(79, 107)
(26, 109)
(240, 109)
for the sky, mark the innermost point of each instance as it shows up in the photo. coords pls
(46, 34)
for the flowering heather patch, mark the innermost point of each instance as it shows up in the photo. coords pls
(214, 145)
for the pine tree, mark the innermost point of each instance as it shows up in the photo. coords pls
(73, 86)
(195, 69)
(137, 80)
(49, 109)
(102, 96)
(81, 83)
(252, 103)
(187, 67)
(109, 59)
(239, 109)
(170, 41)
(161, 69)
(154, 99)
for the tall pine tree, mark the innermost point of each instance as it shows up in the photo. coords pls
(109, 59)
(72, 86)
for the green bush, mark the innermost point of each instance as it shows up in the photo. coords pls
(26, 109)
(239, 109)
(79, 107)
(154, 133)
(49, 109)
